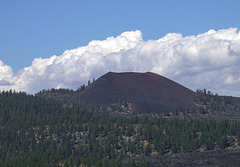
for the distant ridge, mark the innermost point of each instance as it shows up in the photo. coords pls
(146, 92)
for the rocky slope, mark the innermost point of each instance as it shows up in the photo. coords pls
(145, 92)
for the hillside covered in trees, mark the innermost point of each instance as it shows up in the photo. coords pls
(37, 130)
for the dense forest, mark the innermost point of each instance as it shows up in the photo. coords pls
(38, 131)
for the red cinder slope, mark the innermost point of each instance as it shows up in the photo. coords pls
(147, 92)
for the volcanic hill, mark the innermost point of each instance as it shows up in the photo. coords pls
(146, 92)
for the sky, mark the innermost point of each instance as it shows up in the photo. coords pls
(53, 44)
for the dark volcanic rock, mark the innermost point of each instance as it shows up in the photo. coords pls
(146, 92)
(220, 158)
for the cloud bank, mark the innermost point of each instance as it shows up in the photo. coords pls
(210, 60)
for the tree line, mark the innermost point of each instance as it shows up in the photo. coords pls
(35, 131)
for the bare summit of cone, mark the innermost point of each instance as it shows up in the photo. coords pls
(147, 92)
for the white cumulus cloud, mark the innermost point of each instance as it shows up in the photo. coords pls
(5, 71)
(210, 60)
(6, 75)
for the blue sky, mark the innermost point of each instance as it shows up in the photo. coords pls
(31, 29)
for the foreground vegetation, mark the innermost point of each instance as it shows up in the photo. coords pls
(35, 131)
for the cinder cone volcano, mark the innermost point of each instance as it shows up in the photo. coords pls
(147, 92)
